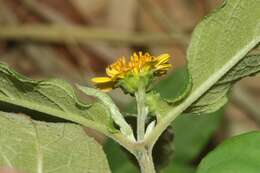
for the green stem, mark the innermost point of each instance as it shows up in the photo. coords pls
(145, 161)
(143, 154)
(142, 113)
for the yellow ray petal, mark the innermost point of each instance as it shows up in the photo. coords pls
(136, 57)
(111, 72)
(164, 58)
(138, 63)
(101, 79)
(163, 66)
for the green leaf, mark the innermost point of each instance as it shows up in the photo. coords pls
(174, 84)
(32, 146)
(118, 160)
(181, 86)
(216, 96)
(239, 154)
(217, 53)
(249, 66)
(179, 167)
(218, 43)
(52, 97)
(189, 137)
(193, 132)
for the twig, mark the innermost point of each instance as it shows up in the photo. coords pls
(72, 34)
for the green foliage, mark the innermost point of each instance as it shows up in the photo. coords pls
(32, 146)
(180, 83)
(157, 106)
(218, 43)
(217, 58)
(189, 138)
(118, 160)
(174, 85)
(216, 96)
(239, 154)
(52, 97)
(211, 101)
(179, 167)
(192, 134)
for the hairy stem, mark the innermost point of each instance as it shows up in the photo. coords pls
(143, 154)
(145, 161)
(141, 113)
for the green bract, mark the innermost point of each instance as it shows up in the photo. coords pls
(131, 82)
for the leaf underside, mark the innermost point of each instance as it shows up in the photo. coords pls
(216, 96)
(218, 57)
(189, 139)
(218, 44)
(53, 97)
(31, 146)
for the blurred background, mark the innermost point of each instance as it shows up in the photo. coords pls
(76, 39)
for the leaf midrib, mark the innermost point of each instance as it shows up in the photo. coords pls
(64, 115)
(39, 152)
(204, 87)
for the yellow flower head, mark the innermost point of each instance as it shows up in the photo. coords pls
(139, 65)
